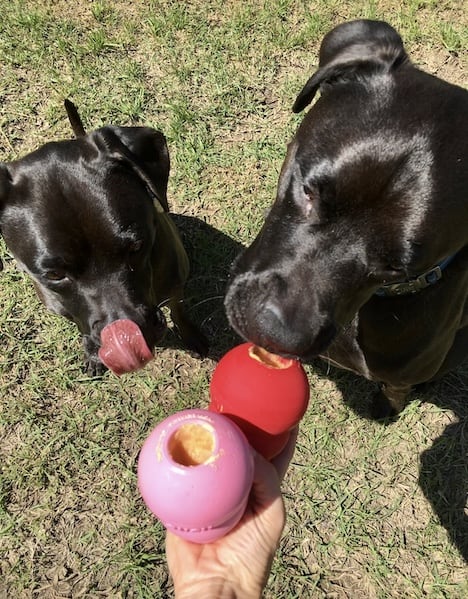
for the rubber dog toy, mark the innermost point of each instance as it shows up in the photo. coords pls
(195, 470)
(264, 394)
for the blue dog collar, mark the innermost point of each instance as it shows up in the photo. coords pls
(414, 285)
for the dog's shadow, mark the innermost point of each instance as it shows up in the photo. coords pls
(211, 254)
(443, 471)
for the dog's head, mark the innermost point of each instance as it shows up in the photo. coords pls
(81, 217)
(372, 190)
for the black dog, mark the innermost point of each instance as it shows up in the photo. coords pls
(88, 220)
(363, 258)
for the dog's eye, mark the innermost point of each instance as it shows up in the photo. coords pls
(55, 275)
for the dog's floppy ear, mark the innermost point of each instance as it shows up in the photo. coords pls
(5, 184)
(352, 50)
(145, 149)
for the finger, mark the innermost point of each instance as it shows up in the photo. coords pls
(266, 501)
(266, 483)
(281, 461)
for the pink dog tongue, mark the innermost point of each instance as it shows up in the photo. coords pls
(123, 347)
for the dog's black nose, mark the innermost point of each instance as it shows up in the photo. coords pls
(272, 314)
(280, 333)
(276, 331)
(273, 320)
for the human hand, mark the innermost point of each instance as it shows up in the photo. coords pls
(238, 564)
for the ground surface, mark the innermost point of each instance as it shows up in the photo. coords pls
(373, 511)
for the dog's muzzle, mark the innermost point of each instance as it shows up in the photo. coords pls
(261, 310)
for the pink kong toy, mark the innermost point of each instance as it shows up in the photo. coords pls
(264, 394)
(195, 472)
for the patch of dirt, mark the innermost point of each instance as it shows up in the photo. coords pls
(443, 64)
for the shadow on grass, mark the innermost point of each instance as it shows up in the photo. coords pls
(211, 254)
(443, 472)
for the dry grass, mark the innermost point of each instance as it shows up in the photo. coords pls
(373, 511)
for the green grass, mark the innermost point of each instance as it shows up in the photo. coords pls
(373, 511)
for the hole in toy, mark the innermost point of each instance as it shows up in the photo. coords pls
(192, 444)
(269, 359)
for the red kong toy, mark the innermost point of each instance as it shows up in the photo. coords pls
(264, 394)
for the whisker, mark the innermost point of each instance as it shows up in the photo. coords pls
(185, 300)
(207, 278)
(208, 299)
(205, 320)
(164, 302)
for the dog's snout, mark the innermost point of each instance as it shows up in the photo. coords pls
(151, 321)
(277, 332)
(286, 334)
(272, 313)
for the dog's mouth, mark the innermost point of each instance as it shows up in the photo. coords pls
(123, 347)
(305, 349)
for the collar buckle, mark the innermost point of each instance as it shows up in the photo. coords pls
(413, 285)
